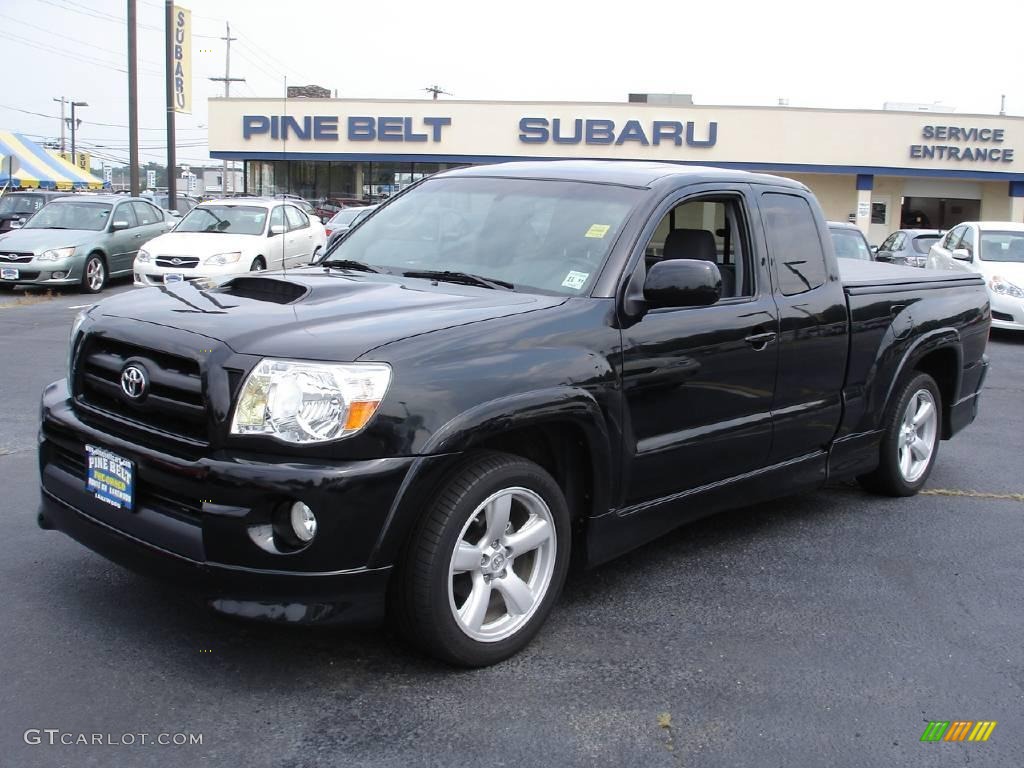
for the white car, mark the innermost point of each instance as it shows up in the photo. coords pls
(995, 250)
(221, 238)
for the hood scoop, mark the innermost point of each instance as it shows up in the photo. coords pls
(263, 289)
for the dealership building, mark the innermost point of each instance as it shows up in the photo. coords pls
(881, 169)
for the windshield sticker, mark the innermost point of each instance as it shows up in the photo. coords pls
(598, 230)
(575, 280)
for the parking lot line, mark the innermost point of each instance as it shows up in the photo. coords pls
(973, 494)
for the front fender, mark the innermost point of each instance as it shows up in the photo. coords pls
(474, 427)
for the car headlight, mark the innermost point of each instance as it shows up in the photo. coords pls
(76, 326)
(219, 259)
(143, 256)
(300, 402)
(55, 254)
(1005, 287)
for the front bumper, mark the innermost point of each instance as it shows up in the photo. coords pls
(149, 274)
(42, 272)
(1007, 311)
(191, 521)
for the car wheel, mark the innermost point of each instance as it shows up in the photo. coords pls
(910, 440)
(258, 264)
(486, 564)
(94, 274)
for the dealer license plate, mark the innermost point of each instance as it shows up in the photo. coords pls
(9, 274)
(110, 478)
(173, 277)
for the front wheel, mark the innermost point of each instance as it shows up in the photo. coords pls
(910, 441)
(94, 274)
(486, 564)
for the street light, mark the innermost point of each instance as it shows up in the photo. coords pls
(74, 160)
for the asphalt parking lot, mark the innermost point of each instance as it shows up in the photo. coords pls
(825, 629)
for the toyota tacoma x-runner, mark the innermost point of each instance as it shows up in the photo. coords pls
(501, 368)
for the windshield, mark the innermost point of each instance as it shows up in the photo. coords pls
(922, 243)
(71, 214)
(545, 235)
(21, 203)
(344, 217)
(225, 219)
(849, 244)
(1002, 246)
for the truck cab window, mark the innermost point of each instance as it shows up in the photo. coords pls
(794, 243)
(708, 230)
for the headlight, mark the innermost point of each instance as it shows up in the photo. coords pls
(75, 328)
(55, 253)
(143, 256)
(223, 258)
(1005, 287)
(300, 402)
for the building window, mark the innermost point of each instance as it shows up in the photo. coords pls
(878, 213)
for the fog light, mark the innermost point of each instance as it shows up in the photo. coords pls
(58, 275)
(303, 522)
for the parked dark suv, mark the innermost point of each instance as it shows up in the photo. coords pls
(16, 208)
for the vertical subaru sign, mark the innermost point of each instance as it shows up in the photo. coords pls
(182, 60)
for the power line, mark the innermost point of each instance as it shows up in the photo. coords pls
(88, 122)
(93, 46)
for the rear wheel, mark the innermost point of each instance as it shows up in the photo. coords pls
(258, 264)
(910, 442)
(94, 274)
(487, 563)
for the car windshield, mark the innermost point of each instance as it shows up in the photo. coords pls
(344, 218)
(1002, 246)
(224, 219)
(71, 214)
(551, 236)
(923, 242)
(849, 244)
(21, 203)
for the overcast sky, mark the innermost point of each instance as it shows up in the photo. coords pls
(815, 54)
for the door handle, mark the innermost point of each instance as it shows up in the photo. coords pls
(761, 340)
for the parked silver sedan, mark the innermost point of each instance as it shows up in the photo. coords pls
(80, 240)
(908, 246)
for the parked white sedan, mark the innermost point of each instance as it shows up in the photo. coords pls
(221, 238)
(995, 250)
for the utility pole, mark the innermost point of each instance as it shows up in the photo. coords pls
(172, 192)
(227, 80)
(63, 100)
(74, 125)
(133, 100)
(436, 89)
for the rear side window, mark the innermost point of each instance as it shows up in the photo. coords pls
(922, 243)
(794, 242)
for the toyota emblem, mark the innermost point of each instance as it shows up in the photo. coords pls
(134, 382)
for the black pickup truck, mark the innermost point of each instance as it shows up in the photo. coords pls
(500, 368)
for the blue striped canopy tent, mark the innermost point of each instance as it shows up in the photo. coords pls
(26, 165)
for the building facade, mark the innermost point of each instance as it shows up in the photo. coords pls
(881, 169)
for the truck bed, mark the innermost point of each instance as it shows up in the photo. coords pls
(860, 277)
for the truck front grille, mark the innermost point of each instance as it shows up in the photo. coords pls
(174, 404)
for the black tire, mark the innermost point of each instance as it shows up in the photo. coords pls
(888, 479)
(258, 264)
(88, 285)
(420, 607)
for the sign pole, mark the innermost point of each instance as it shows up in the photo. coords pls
(133, 100)
(172, 192)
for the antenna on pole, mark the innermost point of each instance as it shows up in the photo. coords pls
(436, 90)
(227, 80)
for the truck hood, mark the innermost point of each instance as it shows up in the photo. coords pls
(39, 240)
(313, 314)
(204, 243)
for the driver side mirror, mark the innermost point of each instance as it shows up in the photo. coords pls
(18, 223)
(276, 229)
(117, 225)
(682, 283)
(962, 254)
(874, 249)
